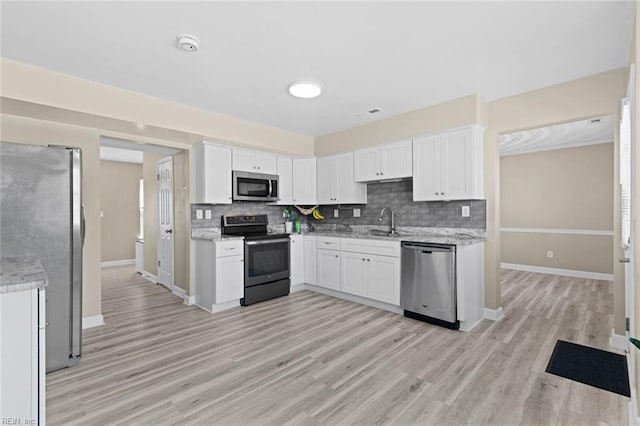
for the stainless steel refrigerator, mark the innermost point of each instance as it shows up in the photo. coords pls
(41, 215)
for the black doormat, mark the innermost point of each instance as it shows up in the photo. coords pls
(591, 366)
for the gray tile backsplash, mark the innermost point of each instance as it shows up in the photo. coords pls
(396, 195)
(238, 207)
(399, 197)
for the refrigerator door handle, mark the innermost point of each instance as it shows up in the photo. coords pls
(83, 220)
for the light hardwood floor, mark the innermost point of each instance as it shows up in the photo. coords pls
(311, 359)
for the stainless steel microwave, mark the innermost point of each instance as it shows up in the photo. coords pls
(249, 186)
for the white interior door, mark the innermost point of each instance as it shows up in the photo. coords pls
(165, 222)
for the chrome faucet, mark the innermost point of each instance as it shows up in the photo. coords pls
(392, 225)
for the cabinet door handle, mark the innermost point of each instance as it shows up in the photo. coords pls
(381, 173)
(368, 260)
(336, 255)
(377, 174)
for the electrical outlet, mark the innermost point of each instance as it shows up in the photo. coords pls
(356, 212)
(336, 212)
(465, 211)
(550, 254)
(199, 214)
(207, 214)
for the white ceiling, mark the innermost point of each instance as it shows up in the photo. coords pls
(396, 56)
(566, 135)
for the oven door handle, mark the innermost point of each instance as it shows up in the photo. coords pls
(261, 242)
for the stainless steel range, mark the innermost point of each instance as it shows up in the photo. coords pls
(266, 257)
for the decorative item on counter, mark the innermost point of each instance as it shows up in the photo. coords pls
(317, 215)
(288, 224)
(297, 226)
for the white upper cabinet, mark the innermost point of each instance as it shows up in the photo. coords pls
(327, 180)
(254, 161)
(389, 161)
(336, 184)
(448, 166)
(349, 191)
(213, 174)
(304, 181)
(285, 181)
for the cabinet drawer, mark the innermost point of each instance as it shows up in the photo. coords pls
(330, 243)
(229, 248)
(379, 247)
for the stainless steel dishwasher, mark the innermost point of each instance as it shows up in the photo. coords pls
(428, 283)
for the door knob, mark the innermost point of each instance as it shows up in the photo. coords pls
(624, 260)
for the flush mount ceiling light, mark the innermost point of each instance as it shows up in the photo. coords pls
(305, 89)
(188, 42)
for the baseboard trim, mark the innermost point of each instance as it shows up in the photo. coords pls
(558, 271)
(354, 298)
(618, 341)
(94, 321)
(181, 293)
(113, 263)
(220, 307)
(150, 277)
(494, 314)
(298, 287)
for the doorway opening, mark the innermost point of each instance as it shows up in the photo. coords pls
(144, 211)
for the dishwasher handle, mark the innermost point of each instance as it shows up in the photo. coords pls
(429, 248)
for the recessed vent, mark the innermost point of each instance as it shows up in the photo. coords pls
(374, 110)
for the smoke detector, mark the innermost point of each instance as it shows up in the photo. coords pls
(188, 42)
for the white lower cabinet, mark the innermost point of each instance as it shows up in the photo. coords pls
(229, 280)
(354, 273)
(371, 275)
(383, 279)
(296, 264)
(329, 269)
(22, 356)
(219, 274)
(310, 259)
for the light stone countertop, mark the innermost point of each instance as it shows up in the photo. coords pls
(457, 236)
(211, 234)
(21, 273)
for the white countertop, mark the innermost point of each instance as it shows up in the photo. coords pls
(21, 273)
(457, 236)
